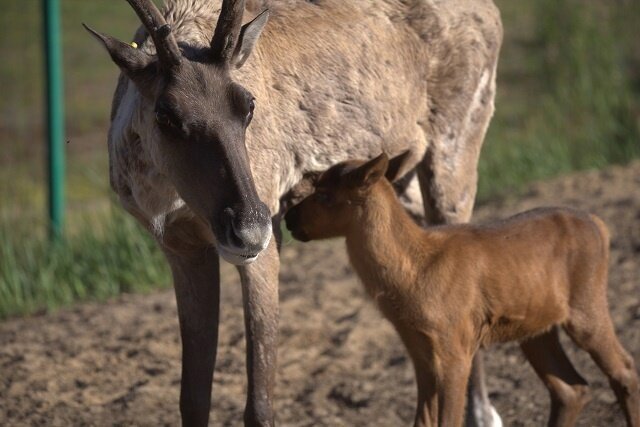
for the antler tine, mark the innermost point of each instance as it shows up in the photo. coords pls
(227, 30)
(166, 45)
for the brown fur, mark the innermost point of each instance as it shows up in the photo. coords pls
(332, 80)
(450, 290)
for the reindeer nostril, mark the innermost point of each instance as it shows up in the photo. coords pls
(248, 230)
(228, 213)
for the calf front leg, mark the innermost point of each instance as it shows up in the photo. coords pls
(420, 350)
(260, 300)
(479, 412)
(196, 277)
(452, 385)
(448, 197)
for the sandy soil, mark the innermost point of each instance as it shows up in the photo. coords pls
(340, 363)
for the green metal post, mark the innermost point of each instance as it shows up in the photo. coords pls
(55, 115)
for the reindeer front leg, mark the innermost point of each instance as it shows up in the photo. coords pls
(196, 277)
(260, 299)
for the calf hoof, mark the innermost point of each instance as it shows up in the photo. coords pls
(575, 397)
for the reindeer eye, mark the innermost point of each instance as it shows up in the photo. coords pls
(163, 118)
(252, 106)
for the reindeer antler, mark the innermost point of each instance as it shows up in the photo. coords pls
(166, 45)
(227, 30)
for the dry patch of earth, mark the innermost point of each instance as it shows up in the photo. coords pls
(339, 364)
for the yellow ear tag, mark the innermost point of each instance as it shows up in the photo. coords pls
(134, 45)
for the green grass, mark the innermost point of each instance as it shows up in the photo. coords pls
(568, 93)
(107, 255)
(89, 81)
(89, 75)
(568, 99)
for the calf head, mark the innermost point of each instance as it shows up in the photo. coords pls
(339, 196)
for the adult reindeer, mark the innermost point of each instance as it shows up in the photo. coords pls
(330, 80)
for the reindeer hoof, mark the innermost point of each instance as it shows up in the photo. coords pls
(496, 421)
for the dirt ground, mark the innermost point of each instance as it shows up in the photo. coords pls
(340, 363)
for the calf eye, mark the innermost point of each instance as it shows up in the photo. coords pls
(323, 198)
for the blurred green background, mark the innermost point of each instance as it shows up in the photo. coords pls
(568, 99)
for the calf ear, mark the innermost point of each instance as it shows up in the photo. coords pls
(133, 62)
(396, 165)
(248, 37)
(370, 172)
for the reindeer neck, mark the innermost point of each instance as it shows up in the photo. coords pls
(385, 242)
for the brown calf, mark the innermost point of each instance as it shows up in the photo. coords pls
(449, 290)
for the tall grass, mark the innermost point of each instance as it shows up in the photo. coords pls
(103, 257)
(586, 111)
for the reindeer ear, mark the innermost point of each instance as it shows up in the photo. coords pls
(396, 165)
(248, 37)
(132, 61)
(370, 172)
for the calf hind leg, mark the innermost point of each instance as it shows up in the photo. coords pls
(599, 339)
(569, 392)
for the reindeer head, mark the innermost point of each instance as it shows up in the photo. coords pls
(339, 196)
(197, 118)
